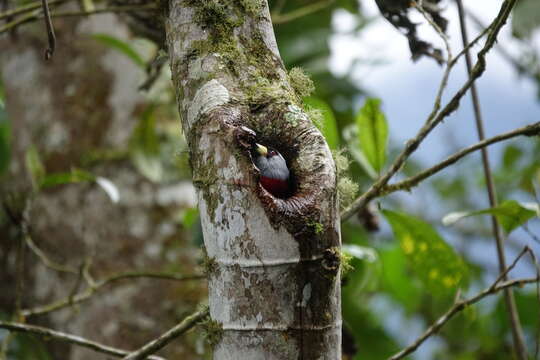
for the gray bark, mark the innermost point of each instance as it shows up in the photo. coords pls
(274, 282)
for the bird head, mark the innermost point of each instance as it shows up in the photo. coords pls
(274, 171)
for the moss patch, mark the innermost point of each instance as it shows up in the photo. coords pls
(301, 83)
(218, 17)
(209, 264)
(317, 227)
(212, 331)
(346, 266)
(252, 7)
(347, 190)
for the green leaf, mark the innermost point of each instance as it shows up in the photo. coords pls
(35, 167)
(144, 145)
(510, 213)
(329, 126)
(430, 257)
(404, 289)
(5, 149)
(189, 217)
(526, 18)
(78, 176)
(350, 134)
(373, 132)
(72, 177)
(511, 156)
(122, 47)
(88, 5)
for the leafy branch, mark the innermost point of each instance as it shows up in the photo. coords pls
(436, 117)
(460, 305)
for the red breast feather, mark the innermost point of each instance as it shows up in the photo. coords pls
(278, 188)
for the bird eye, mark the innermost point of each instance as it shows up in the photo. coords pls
(272, 153)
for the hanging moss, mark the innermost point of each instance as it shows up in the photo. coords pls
(341, 161)
(345, 260)
(301, 83)
(212, 330)
(347, 190)
(252, 7)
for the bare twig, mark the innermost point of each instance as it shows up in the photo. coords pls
(530, 71)
(517, 332)
(278, 18)
(407, 184)
(28, 8)
(456, 308)
(446, 74)
(50, 30)
(530, 233)
(44, 258)
(160, 342)
(35, 15)
(60, 336)
(96, 286)
(433, 120)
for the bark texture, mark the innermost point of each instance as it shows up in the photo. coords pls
(273, 264)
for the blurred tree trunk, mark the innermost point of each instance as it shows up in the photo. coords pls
(273, 264)
(77, 110)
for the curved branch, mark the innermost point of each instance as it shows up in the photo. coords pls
(301, 12)
(160, 342)
(456, 308)
(95, 287)
(72, 339)
(27, 8)
(36, 14)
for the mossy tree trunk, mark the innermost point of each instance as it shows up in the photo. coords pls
(273, 264)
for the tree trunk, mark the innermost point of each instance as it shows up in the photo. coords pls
(273, 264)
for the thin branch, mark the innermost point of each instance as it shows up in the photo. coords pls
(36, 15)
(530, 233)
(60, 336)
(411, 146)
(532, 72)
(301, 12)
(96, 286)
(45, 259)
(407, 184)
(517, 331)
(456, 308)
(28, 8)
(50, 30)
(446, 74)
(160, 342)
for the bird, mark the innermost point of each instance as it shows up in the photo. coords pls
(275, 175)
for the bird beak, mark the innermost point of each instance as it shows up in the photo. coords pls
(262, 150)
